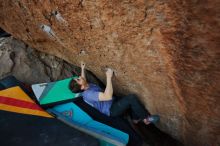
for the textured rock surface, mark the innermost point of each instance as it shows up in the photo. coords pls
(31, 66)
(165, 51)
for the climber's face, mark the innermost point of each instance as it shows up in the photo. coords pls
(81, 81)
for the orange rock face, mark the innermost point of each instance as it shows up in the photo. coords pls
(167, 52)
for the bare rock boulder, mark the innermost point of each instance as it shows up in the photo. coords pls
(167, 52)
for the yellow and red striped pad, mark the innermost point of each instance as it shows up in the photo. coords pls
(16, 100)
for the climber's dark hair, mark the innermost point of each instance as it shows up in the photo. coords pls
(75, 87)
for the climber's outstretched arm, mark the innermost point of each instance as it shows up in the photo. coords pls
(83, 70)
(108, 93)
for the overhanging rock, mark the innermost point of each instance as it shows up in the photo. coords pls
(167, 52)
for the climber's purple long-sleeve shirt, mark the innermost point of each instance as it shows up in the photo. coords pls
(91, 96)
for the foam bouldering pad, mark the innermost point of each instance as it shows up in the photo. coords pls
(54, 93)
(28, 130)
(11, 81)
(25, 123)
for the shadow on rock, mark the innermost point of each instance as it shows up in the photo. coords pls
(154, 136)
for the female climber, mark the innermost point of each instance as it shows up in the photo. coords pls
(106, 103)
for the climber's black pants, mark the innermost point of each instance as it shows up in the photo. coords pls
(126, 103)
